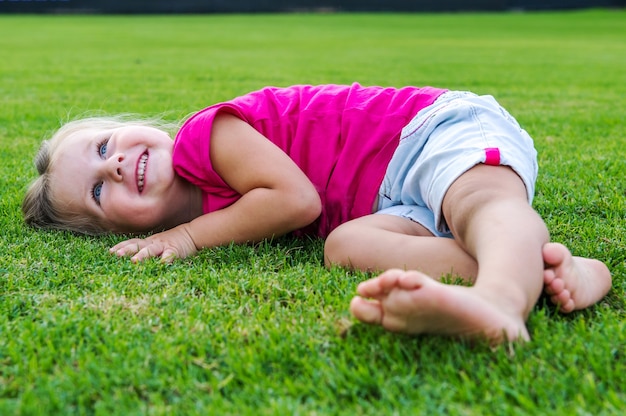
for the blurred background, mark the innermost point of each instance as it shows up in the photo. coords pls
(267, 6)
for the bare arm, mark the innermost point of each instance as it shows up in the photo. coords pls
(277, 197)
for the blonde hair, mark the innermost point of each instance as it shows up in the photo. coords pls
(39, 206)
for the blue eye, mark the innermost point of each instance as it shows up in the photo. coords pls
(102, 148)
(95, 193)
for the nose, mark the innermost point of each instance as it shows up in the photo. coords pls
(113, 167)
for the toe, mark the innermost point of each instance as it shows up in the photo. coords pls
(554, 253)
(366, 310)
(564, 301)
(548, 276)
(567, 307)
(556, 287)
(380, 285)
(413, 280)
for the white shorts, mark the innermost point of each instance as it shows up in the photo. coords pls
(444, 140)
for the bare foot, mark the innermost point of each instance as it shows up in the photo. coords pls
(413, 303)
(573, 283)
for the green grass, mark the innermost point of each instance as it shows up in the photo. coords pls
(266, 329)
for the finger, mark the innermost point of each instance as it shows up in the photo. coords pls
(169, 255)
(128, 247)
(151, 250)
(124, 243)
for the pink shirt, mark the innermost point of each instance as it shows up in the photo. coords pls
(342, 137)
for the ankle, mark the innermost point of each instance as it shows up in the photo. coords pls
(512, 300)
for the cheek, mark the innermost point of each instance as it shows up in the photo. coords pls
(137, 215)
(124, 213)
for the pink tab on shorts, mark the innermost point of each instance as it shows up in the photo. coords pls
(492, 156)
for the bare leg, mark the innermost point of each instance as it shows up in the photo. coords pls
(381, 242)
(573, 283)
(390, 299)
(487, 211)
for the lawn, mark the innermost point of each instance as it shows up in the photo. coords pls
(265, 329)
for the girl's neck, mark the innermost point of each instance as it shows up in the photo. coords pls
(190, 209)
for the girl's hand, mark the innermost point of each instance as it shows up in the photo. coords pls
(167, 245)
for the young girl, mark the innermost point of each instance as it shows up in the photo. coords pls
(420, 179)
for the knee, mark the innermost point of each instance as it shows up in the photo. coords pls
(339, 246)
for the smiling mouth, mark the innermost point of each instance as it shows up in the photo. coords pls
(141, 171)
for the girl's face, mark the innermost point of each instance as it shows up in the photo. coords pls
(121, 178)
